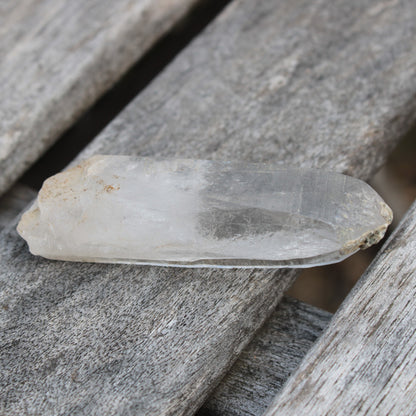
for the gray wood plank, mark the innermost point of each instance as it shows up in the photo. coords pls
(267, 362)
(12, 203)
(58, 56)
(365, 362)
(328, 84)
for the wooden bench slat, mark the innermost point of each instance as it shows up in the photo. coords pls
(365, 362)
(58, 57)
(327, 84)
(267, 362)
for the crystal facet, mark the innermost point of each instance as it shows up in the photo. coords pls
(196, 213)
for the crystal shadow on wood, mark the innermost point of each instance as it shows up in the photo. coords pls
(198, 213)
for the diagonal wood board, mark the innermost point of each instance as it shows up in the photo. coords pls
(326, 84)
(365, 363)
(267, 362)
(58, 56)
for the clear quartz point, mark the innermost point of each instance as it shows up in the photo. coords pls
(197, 213)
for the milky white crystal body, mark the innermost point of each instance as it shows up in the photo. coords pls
(202, 213)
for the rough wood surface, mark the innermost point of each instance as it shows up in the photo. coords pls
(12, 203)
(58, 56)
(365, 362)
(328, 84)
(267, 362)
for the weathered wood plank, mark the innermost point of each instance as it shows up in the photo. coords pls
(328, 84)
(58, 57)
(365, 363)
(268, 361)
(12, 203)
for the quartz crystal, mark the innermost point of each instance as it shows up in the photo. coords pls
(197, 213)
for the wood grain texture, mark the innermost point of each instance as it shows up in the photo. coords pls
(326, 84)
(365, 363)
(267, 362)
(58, 57)
(13, 202)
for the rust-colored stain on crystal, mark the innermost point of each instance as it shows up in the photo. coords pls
(111, 188)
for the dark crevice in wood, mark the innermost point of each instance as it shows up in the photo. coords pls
(125, 90)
